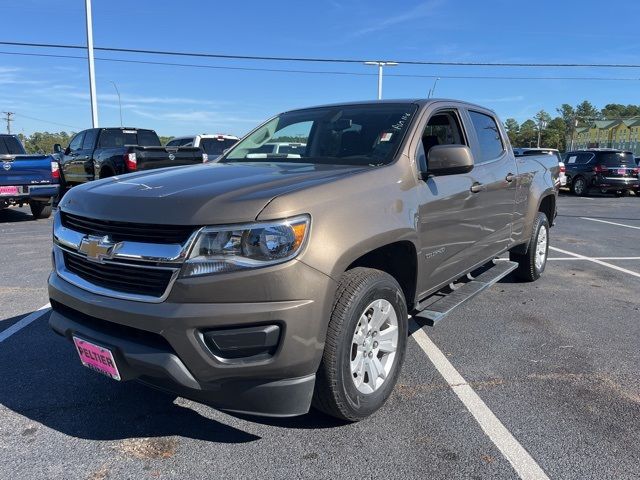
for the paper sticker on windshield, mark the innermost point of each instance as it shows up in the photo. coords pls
(386, 136)
(572, 159)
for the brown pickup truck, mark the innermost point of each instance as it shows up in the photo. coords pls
(267, 282)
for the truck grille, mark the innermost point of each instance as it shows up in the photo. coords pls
(120, 277)
(124, 231)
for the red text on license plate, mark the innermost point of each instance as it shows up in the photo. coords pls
(97, 358)
(8, 190)
(622, 171)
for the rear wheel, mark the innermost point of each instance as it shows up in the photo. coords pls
(532, 263)
(40, 209)
(579, 186)
(365, 345)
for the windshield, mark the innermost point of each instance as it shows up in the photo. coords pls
(614, 159)
(344, 135)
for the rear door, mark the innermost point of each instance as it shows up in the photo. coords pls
(493, 194)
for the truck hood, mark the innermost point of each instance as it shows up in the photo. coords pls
(207, 194)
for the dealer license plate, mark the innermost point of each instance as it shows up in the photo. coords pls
(97, 358)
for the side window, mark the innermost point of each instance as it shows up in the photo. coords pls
(89, 139)
(584, 158)
(491, 145)
(443, 128)
(111, 138)
(76, 143)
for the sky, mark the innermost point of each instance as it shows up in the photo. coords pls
(52, 94)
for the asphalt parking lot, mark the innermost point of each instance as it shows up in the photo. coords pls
(524, 379)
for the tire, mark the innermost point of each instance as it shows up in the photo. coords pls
(360, 292)
(40, 209)
(529, 270)
(623, 193)
(579, 186)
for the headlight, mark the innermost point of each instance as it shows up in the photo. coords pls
(239, 247)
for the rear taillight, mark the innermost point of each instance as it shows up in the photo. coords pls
(131, 161)
(600, 169)
(563, 169)
(635, 171)
(55, 170)
(205, 157)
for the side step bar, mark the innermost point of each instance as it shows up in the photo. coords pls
(434, 311)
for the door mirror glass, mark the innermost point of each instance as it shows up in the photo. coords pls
(57, 148)
(449, 160)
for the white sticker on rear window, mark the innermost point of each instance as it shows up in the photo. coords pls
(386, 136)
(130, 131)
(572, 159)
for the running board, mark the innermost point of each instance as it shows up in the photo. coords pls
(436, 310)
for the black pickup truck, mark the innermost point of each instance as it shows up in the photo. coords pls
(105, 152)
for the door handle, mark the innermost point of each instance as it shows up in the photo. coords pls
(477, 187)
(510, 177)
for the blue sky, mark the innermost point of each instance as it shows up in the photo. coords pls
(52, 93)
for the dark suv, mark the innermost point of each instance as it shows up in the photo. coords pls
(605, 170)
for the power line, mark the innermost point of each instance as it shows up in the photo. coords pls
(323, 72)
(322, 60)
(47, 121)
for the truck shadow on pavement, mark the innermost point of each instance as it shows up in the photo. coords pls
(14, 215)
(44, 382)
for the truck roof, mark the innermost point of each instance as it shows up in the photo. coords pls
(416, 101)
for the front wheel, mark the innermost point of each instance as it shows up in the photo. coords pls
(365, 345)
(40, 209)
(532, 263)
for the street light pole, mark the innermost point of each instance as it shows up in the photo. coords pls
(92, 71)
(380, 67)
(119, 102)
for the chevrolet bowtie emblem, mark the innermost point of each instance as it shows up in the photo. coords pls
(98, 249)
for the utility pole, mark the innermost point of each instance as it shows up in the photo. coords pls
(542, 124)
(380, 66)
(573, 131)
(8, 119)
(92, 70)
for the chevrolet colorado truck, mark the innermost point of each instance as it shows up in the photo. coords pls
(27, 179)
(267, 283)
(104, 152)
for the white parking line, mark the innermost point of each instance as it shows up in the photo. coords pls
(524, 465)
(599, 262)
(20, 324)
(594, 258)
(610, 223)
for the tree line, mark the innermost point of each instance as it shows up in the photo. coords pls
(556, 132)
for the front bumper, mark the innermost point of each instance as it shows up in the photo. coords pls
(162, 344)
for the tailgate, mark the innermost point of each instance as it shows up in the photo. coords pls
(25, 169)
(160, 157)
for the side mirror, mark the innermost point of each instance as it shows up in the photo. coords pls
(449, 160)
(57, 148)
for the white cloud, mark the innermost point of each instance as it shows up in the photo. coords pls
(424, 9)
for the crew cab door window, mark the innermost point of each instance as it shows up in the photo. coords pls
(488, 134)
(443, 128)
(76, 142)
(89, 139)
